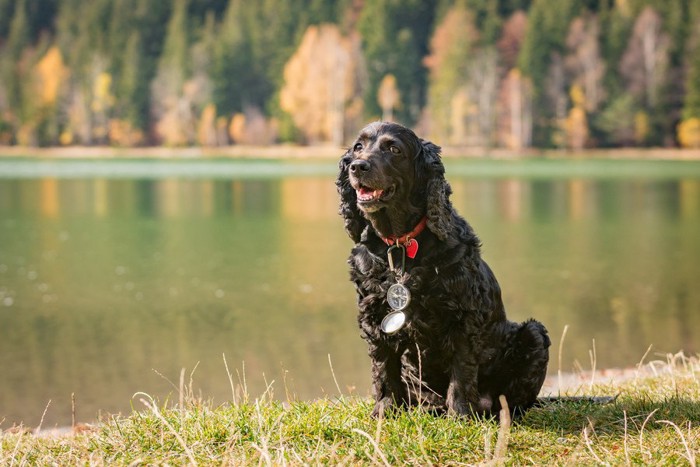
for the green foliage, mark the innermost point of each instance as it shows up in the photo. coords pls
(174, 61)
(149, 19)
(691, 104)
(534, 55)
(615, 27)
(242, 66)
(616, 121)
(255, 39)
(229, 60)
(7, 10)
(130, 83)
(395, 39)
(508, 7)
(19, 34)
(488, 16)
(545, 36)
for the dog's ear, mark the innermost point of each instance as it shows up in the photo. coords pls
(355, 223)
(437, 190)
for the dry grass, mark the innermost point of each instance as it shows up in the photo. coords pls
(655, 420)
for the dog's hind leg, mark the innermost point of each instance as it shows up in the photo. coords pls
(523, 367)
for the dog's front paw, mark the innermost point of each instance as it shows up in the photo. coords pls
(382, 406)
(455, 407)
(458, 406)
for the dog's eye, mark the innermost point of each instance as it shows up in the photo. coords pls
(357, 147)
(394, 150)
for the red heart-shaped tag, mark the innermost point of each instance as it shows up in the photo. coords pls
(411, 248)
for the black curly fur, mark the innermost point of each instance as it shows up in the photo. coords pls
(457, 352)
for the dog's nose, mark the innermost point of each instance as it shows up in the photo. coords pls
(360, 165)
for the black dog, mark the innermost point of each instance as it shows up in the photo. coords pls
(429, 307)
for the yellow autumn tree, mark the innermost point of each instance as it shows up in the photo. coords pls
(102, 102)
(642, 127)
(236, 129)
(252, 127)
(388, 97)
(576, 123)
(47, 87)
(51, 73)
(689, 133)
(123, 133)
(321, 82)
(206, 129)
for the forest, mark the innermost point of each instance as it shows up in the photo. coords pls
(467, 73)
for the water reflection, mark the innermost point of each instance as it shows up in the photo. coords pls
(103, 281)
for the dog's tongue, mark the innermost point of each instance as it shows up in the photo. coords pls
(365, 194)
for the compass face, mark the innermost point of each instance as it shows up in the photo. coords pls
(398, 297)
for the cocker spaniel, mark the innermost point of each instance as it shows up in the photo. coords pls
(430, 308)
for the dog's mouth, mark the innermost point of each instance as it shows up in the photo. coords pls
(368, 195)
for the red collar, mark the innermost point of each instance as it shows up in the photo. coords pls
(393, 240)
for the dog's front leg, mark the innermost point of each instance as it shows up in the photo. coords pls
(462, 392)
(386, 378)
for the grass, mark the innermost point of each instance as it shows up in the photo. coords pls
(655, 420)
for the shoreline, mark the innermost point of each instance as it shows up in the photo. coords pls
(289, 151)
(653, 421)
(567, 384)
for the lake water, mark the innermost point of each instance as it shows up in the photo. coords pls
(116, 275)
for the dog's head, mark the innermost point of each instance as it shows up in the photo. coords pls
(390, 170)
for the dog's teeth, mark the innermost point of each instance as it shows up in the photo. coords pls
(364, 194)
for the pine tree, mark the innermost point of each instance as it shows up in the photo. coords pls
(691, 103)
(133, 95)
(688, 130)
(19, 34)
(508, 7)
(7, 8)
(540, 60)
(486, 17)
(231, 61)
(615, 25)
(395, 40)
(174, 123)
(150, 21)
(534, 54)
(675, 17)
(11, 70)
(177, 41)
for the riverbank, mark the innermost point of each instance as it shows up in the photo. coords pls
(655, 420)
(288, 151)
